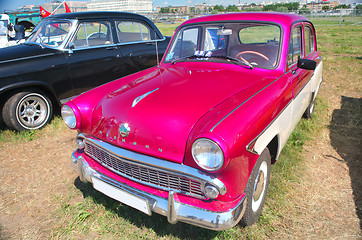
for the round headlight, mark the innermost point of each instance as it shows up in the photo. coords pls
(69, 116)
(207, 154)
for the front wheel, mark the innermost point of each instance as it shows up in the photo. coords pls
(27, 110)
(256, 189)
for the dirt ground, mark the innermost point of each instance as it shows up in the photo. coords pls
(328, 197)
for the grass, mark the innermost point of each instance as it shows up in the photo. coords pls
(99, 217)
(7, 135)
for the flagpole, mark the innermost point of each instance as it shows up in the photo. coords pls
(58, 7)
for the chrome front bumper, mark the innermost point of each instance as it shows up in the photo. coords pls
(174, 211)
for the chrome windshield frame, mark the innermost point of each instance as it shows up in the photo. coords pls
(62, 46)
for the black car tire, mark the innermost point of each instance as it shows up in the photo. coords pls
(27, 110)
(256, 189)
(310, 109)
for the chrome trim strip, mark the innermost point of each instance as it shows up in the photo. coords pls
(67, 99)
(212, 129)
(26, 58)
(137, 42)
(174, 211)
(157, 164)
(94, 47)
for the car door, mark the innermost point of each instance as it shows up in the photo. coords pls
(137, 44)
(311, 53)
(93, 57)
(298, 77)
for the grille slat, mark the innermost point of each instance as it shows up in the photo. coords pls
(143, 174)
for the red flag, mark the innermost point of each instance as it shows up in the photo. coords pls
(67, 10)
(44, 13)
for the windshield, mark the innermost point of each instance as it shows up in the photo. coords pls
(3, 27)
(254, 44)
(50, 33)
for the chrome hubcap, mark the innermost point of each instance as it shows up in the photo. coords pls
(32, 111)
(259, 186)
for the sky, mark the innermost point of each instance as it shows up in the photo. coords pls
(14, 4)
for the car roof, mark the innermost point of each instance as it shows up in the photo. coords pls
(102, 14)
(285, 19)
(106, 15)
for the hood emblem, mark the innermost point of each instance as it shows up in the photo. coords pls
(138, 99)
(124, 130)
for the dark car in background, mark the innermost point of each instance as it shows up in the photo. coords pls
(68, 54)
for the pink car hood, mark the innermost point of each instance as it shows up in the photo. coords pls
(162, 106)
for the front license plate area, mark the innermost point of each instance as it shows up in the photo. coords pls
(122, 196)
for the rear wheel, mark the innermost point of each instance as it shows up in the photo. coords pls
(256, 189)
(310, 109)
(27, 110)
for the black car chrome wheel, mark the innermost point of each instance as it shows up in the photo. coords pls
(27, 110)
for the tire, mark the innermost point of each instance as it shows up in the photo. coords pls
(256, 189)
(28, 110)
(310, 109)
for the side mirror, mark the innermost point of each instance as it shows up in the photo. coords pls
(306, 64)
(10, 27)
(71, 47)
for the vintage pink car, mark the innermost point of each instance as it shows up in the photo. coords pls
(193, 138)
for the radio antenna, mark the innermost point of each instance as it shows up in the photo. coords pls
(158, 61)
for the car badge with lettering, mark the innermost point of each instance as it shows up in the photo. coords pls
(138, 99)
(124, 130)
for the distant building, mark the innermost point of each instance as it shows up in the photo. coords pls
(203, 8)
(178, 9)
(255, 7)
(317, 7)
(74, 6)
(135, 6)
(29, 8)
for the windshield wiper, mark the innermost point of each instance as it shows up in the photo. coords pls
(234, 60)
(184, 58)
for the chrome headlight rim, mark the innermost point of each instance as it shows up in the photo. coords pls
(198, 162)
(70, 117)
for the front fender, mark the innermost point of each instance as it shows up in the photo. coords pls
(29, 84)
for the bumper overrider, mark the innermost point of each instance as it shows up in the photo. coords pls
(147, 202)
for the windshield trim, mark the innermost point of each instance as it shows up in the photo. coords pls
(62, 46)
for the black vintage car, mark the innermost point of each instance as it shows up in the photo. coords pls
(68, 54)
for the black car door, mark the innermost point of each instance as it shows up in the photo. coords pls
(137, 44)
(93, 58)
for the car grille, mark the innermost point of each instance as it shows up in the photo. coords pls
(144, 174)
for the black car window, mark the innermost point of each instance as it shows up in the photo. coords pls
(91, 34)
(129, 31)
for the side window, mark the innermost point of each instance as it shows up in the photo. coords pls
(295, 46)
(132, 32)
(308, 40)
(213, 41)
(92, 34)
(186, 44)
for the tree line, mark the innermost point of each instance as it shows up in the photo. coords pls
(276, 7)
